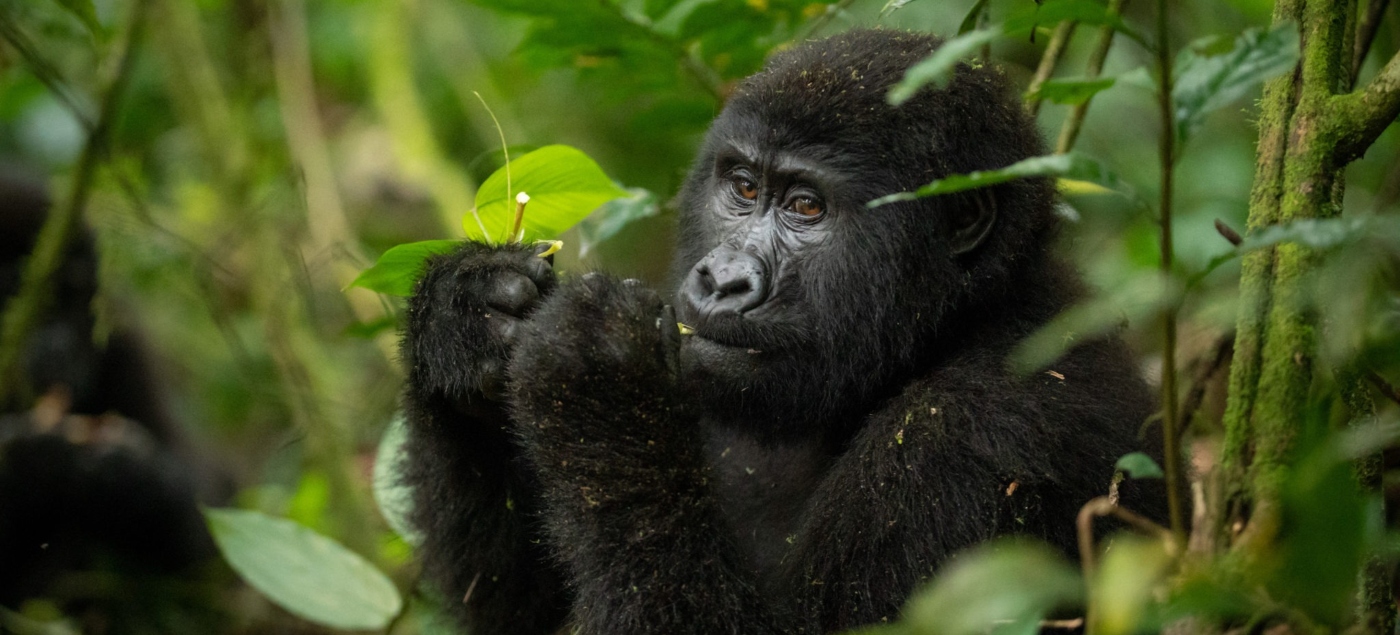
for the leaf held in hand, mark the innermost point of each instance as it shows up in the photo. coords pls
(564, 186)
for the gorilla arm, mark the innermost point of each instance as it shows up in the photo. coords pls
(473, 498)
(628, 505)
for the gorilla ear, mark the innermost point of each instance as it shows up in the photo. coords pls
(972, 222)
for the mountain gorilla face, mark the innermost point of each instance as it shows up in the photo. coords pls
(805, 303)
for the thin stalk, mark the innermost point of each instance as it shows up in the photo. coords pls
(26, 308)
(1054, 50)
(1171, 445)
(1069, 132)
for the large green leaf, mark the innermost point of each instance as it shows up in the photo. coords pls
(304, 572)
(563, 184)
(398, 269)
(1205, 83)
(1125, 583)
(1072, 166)
(999, 588)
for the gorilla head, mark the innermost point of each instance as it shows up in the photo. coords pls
(806, 304)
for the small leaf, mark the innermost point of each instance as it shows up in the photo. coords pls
(1071, 91)
(1138, 465)
(938, 66)
(398, 269)
(564, 186)
(969, 21)
(393, 496)
(304, 572)
(1002, 588)
(606, 221)
(1206, 83)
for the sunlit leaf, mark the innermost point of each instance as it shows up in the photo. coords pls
(1071, 91)
(1073, 166)
(1000, 588)
(391, 494)
(564, 187)
(1206, 83)
(1138, 465)
(606, 221)
(1122, 588)
(399, 268)
(304, 572)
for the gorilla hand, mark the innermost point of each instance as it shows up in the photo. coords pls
(466, 315)
(594, 377)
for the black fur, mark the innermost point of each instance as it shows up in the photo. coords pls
(842, 421)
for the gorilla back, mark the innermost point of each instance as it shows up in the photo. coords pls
(841, 421)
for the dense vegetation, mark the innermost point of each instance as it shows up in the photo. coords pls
(1233, 186)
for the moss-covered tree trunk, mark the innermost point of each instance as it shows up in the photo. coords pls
(1311, 127)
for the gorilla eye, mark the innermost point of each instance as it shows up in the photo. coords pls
(807, 206)
(745, 188)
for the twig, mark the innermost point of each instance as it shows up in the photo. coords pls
(1171, 443)
(1104, 506)
(1366, 34)
(1054, 50)
(1069, 132)
(62, 226)
(1361, 116)
(43, 70)
(1383, 386)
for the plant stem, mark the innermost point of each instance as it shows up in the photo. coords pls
(1069, 133)
(25, 309)
(1171, 444)
(1054, 50)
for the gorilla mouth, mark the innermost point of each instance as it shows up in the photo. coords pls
(732, 330)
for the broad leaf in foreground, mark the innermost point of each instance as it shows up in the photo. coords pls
(1206, 83)
(398, 269)
(563, 184)
(304, 572)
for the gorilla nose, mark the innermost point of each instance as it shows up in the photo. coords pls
(727, 280)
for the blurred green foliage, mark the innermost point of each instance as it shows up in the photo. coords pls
(267, 151)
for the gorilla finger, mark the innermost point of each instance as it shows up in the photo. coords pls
(512, 293)
(507, 329)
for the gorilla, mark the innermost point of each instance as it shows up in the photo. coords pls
(843, 417)
(99, 479)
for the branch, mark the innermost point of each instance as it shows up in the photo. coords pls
(1070, 131)
(27, 307)
(1366, 34)
(1360, 117)
(1054, 50)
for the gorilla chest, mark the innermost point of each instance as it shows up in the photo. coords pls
(763, 492)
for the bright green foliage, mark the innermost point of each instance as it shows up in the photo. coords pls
(304, 572)
(1138, 465)
(563, 184)
(1123, 586)
(398, 269)
(1071, 91)
(1206, 82)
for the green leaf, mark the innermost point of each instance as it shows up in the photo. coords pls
(1000, 588)
(1138, 465)
(1207, 83)
(1071, 91)
(1319, 233)
(969, 21)
(606, 221)
(304, 572)
(399, 268)
(1073, 166)
(937, 68)
(1123, 586)
(393, 496)
(563, 184)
